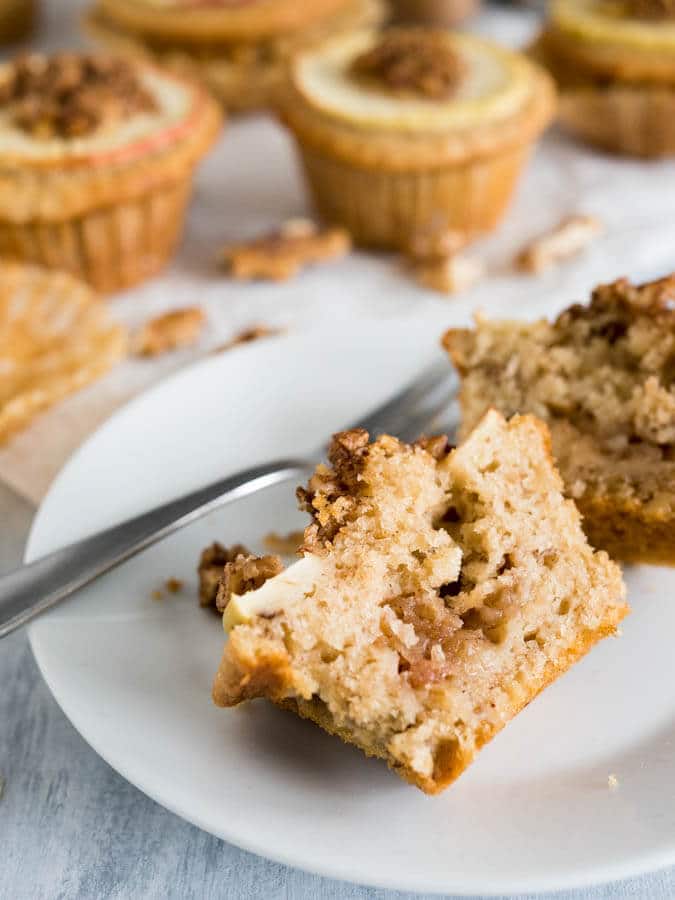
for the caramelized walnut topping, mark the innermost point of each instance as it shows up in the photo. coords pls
(245, 573)
(416, 61)
(71, 95)
(210, 570)
(437, 445)
(652, 9)
(282, 254)
(332, 492)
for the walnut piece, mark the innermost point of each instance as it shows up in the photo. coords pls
(451, 274)
(282, 254)
(170, 331)
(418, 61)
(569, 238)
(247, 336)
(212, 561)
(246, 573)
(71, 95)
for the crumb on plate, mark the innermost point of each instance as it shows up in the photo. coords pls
(569, 238)
(170, 331)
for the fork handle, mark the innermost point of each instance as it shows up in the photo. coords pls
(33, 588)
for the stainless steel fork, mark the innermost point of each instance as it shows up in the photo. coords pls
(31, 589)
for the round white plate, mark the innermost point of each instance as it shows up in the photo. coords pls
(535, 811)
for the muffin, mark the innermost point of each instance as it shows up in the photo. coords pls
(238, 48)
(602, 377)
(96, 163)
(16, 19)
(615, 65)
(413, 129)
(439, 592)
(433, 12)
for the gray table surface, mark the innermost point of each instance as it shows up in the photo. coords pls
(71, 827)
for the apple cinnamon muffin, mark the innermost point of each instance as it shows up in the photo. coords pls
(603, 378)
(439, 591)
(614, 61)
(96, 162)
(413, 129)
(238, 48)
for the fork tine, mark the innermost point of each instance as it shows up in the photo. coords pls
(414, 407)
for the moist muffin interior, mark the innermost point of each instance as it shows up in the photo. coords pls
(445, 589)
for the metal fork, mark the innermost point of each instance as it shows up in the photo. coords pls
(33, 588)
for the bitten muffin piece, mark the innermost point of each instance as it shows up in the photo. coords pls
(439, 592)
(603, 377)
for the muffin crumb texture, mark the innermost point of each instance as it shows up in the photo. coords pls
(603, 377)
(446, 589)
(212, 561)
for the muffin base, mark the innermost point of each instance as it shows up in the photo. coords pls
(112, 248)
(385, 209)
(240, 77)
(631, 119)
(17, 18)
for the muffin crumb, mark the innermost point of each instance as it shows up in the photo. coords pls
(244, 574)
(282, 254)
(568, 239)
(284, 544)
(170, 331)
(212, 561)
(174, 585)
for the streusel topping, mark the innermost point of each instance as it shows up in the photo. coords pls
(419, 62)
(72, 95)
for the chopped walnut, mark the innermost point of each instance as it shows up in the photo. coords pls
(246, 573)
(284, 544)
(417, 61)
(247, 336)
(436, 242)
(450, 275)
(437, 445)
(212, 561)
(170, 331)
(71, 95)
(569, 238)
(284, 253)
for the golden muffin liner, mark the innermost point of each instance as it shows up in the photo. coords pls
(620, 117)
(55, 337)
(242, 77)
(384, 187)
(111, 224)
(17, 18)
(385, 209)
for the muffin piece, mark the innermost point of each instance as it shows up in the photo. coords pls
(439, 592)
(96, 163)
(603, 377)
(412, 129)
(238, 49)
(615, 67)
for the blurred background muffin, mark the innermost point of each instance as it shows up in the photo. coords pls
(239, 48)
(412, 129)
(16, 19)
(614, 61)
(433, 12)
(96, 163)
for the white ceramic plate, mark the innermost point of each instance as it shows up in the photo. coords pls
(133, 675)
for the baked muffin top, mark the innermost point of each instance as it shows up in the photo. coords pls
(71, 106)
(413, 80)
(640, 24)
